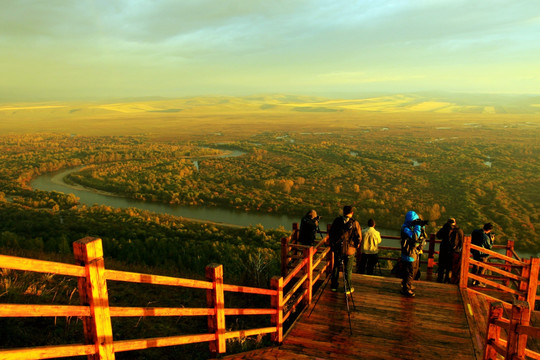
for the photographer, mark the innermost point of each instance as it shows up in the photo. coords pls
(309, 226)
(413, 237)
(483, 238)
(445, 251)
(345, 235)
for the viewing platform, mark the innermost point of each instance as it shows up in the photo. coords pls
(385, 325)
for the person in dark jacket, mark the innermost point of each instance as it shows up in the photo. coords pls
(445, 251)
(483, 238)
(456, 242)
(413, 237)
(345, 235)
(309, 225)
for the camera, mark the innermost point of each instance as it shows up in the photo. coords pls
(419, 222)
(317, 218)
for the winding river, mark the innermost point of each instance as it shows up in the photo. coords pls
(55, 182)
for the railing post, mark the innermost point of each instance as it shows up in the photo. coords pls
(93, 292)
(533, 283)
(330, 255)
(284, 255)
(524, 284)
(276, 283)
(296, 233)
(308, 284)
(215, 299)
(431, 257)
(465, 255)
(493, 331)
(510, 254)
(516, 342)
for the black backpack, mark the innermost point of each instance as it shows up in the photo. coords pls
(340, 233)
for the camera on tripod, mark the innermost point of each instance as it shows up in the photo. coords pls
(419, 222)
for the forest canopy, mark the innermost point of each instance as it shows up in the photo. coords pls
(475, 173)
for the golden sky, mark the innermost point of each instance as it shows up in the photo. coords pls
(89, 49)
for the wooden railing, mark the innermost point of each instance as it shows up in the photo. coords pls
(299, 283)
(290, 256)
(96, 312)
(517, 331)
(303, 267)
(510, 275)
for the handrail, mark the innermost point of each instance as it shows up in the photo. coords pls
(289, 259)
(92, 273)
(518, 329)
(497, 255)
(524, 285)
(125, 276)
(48, 267)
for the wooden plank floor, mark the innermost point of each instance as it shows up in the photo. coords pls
(385, 325)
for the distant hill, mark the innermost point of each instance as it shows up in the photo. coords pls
(160, 115)
(441, 103)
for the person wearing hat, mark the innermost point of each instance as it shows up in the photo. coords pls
(309, 225)
(413, 238)
(345, 235)
(483, 238)
(445, 251)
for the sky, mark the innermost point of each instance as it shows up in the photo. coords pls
(84, 49)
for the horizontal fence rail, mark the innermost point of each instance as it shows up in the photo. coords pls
(508, 274)
(96, 311)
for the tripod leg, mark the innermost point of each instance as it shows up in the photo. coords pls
(348, 292)
(320, 294)
(347, 288)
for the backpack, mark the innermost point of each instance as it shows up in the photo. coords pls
(340, 234)
(415, 244)
(456, 241)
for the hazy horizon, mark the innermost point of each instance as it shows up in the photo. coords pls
(82, 50)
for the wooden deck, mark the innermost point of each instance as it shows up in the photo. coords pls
(385, 325)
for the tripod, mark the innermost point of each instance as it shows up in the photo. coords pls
(347, 288)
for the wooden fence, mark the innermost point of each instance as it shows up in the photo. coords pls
(508, 274)
(291, 256)
(96, 312)
(517, 331)
(302, 268)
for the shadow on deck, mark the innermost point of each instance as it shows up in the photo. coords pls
(385, 325)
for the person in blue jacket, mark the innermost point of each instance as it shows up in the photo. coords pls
(413, 237)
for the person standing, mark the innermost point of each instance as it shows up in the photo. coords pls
(345, 235)
(483, 238)
(445, 251)
(456, 242)
(413, 237)
(309, 225)
(369, 249)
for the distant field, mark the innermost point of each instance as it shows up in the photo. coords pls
(247, 115)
